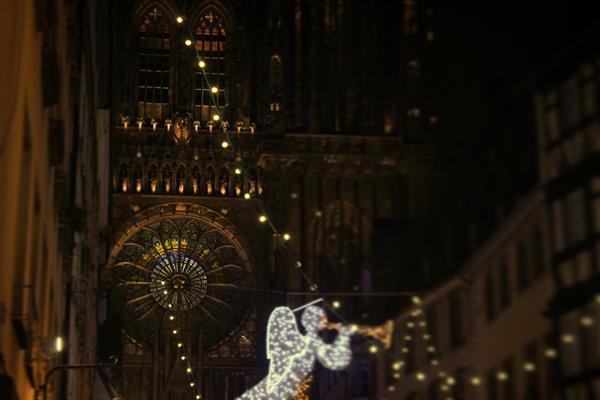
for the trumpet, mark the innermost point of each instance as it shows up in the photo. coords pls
(382, 333)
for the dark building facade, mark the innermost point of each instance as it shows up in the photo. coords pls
(298, 111)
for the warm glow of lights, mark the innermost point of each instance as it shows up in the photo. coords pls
(216, 117)
(192, 384)
(286, 236)
(174, 331)
(171, 317)
(237, 171)
(247, 196)
(451, 381)
(165, 292)
(180, 20)
(188, 370)
(410, 325)
(586, 321)
(225, 144)
(416, 300)
(197, 397)
(58, 344)
(179, 344)
(336, 304)
(550, 352)
(420, 376)
(502, 376)
(475, 381)
(214, 89)
(568, 338)
(182, 358)
(373, 349)
(397, 365)
(262, 219)
(407, 337)
(529, 367)
(201, 64)
(188, 42)
(430, 349)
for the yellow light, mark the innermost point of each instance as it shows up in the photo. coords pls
(430, 349)
(372, 349)
(201, 64)
(58, 344)
(475, 381)
(502, 376)
(182, 358)
(550, 352)
(434, 362)
(416, 300)
(237, 171)
(171, 317)
(397, 365)
(170, 305)
(189, 370)
(410, 325)
(444, 388)
(407, 337)
(450, 381)
(529, 367)
(420, 376)
(262, 219)
(586, 321)
(197, 396)
(568, 338)
(214, 89)
(225, 144)
(336, 304)
(598, 298)
(192, 384)
(179, 344)
(216, 117)
(426, 336)
(165, 292)
(174, 331)
(286, 236)
(405, 350)
(188, 42)
(180, 20)
(246, 196)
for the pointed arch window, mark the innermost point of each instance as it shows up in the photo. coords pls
(153, 69)
(211, 36)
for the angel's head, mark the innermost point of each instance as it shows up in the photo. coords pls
(313, 319)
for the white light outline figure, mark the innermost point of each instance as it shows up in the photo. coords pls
(292, 355)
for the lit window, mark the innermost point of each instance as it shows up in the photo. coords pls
(211, 36)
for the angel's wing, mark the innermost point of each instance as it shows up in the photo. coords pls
(284, 340)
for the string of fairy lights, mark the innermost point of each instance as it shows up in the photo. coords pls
(415, 329)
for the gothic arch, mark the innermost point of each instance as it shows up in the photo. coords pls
(142, 7)
(224, 9)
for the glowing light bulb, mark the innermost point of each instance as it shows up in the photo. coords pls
(568, 338)
(586, 321)
(214, 89)
(180, 20)
(188, 370)
(416, 300)
(550, 352)
(336, 304)
(237, 171)
(410, 325)
(192, 384)
(225, 144)
(397, 365)
(201, 64)
(373, 349)
(174, 331)
(188, 42)
(529, 367)
(216, 117)
(182, 358)
(286, 236)
(171, 317)
(247, 196)
(197, 397)
(450, 380)
(58, 344)
(179, 344)
(475, 381)
(502, 376)
(165, 292)
(420, 376)
(262, 219)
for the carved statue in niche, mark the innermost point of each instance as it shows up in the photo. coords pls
(182, 132)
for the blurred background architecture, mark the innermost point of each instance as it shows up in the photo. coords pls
(175, 169)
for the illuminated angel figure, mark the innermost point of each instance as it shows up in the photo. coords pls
(292, 355)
